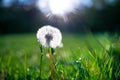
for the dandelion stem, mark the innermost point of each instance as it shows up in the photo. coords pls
(41, 56)
(51, 64)
(40, 64)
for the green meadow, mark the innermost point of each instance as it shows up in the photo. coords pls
(82, 57)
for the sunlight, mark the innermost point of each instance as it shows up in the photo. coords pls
(62, 9)
(58, 7)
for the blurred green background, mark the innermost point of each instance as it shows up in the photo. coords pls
(91, 42)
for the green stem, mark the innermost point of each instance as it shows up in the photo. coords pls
(40, 64)
(51, 64)
(41, 56)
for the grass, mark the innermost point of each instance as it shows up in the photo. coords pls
(83, 57)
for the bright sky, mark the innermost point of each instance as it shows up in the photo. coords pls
(62, 7)
(87, 3)
(7, 3)
(59, 8)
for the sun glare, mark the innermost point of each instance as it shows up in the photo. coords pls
(58, 8)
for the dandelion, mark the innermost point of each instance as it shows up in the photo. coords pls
(48, 36)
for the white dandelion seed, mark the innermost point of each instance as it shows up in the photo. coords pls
(48, 36)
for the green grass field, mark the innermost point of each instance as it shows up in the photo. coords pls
(83, 57)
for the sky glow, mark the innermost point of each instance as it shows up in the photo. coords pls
(58, 7)
(61, 7)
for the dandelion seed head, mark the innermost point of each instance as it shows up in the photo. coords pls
(49, 36)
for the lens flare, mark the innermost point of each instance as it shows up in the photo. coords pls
(58, 7)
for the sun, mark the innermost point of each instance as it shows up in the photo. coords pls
(58, 7)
